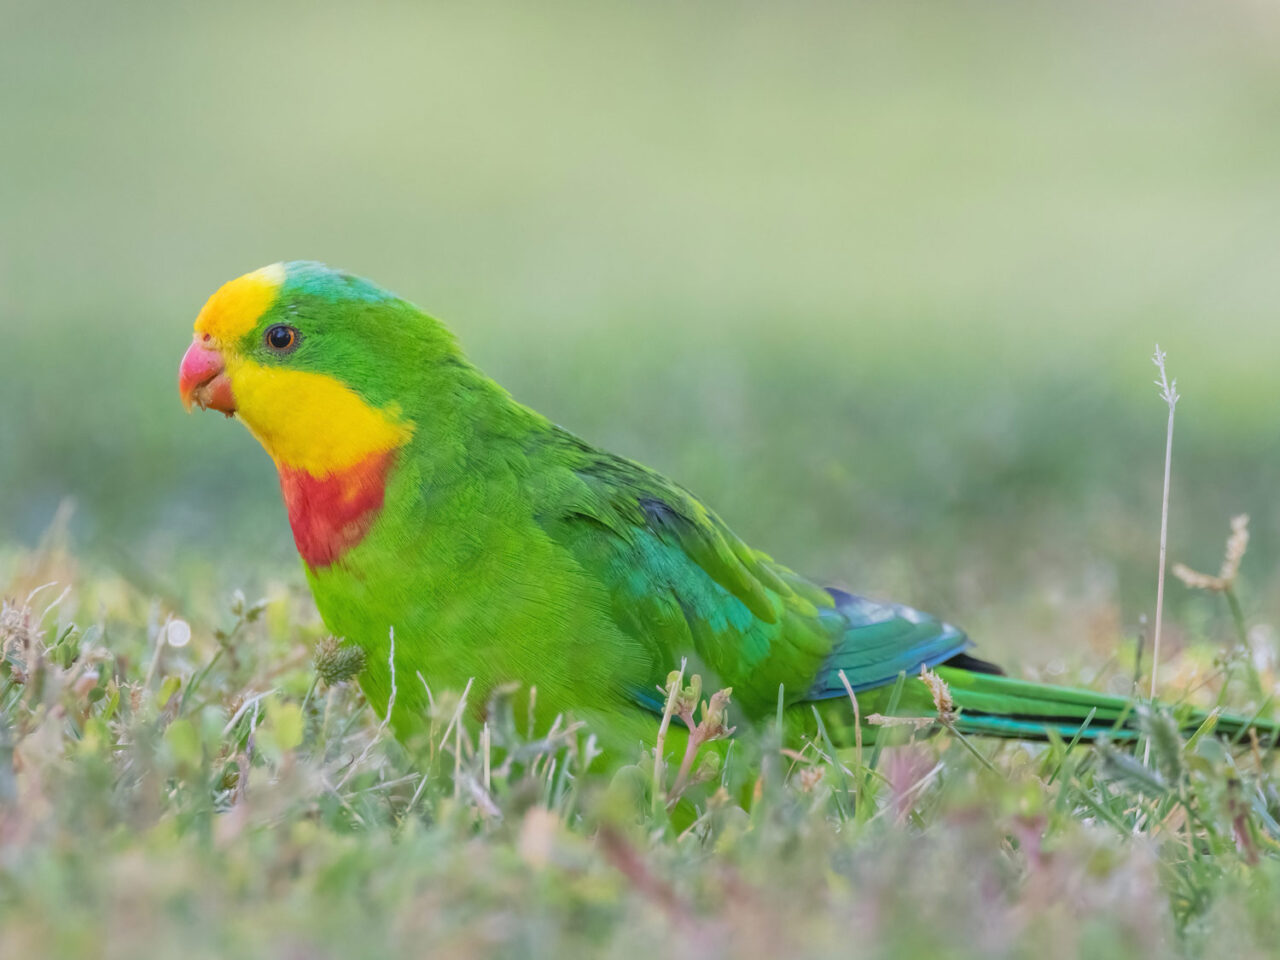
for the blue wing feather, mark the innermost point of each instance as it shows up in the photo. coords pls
(881, 640)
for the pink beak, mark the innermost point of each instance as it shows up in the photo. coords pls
(202, 379)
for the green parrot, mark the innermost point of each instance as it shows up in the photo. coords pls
(502, 549)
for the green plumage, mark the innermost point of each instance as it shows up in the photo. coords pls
(507, 550)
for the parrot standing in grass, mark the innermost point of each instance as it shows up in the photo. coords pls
(502, 549)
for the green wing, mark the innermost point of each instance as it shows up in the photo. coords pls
(684, 585)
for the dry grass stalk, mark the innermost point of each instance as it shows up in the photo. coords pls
(857, 719)
(1168, 393)
(712, 726)
(675, 684)
(916, 723)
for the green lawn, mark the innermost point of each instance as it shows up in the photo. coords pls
(218, 799)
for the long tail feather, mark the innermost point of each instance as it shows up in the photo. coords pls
(999, 706)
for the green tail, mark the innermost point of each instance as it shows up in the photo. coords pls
(998, 706)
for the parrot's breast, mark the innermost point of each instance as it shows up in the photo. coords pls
(331, 514)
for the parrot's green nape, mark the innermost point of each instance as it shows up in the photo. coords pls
(503, 549)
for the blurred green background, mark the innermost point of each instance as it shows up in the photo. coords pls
(880, 282)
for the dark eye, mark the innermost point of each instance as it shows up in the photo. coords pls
(281, 338)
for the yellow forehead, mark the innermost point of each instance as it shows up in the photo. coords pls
(234, 310)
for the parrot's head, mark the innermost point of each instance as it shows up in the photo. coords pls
(314, 362)
(326, 370)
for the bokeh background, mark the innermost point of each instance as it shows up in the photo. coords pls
(881, 282)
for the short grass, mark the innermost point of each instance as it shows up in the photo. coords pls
(194, 788)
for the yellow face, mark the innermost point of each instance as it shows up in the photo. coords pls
(305, 420)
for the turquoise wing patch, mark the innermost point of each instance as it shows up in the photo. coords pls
(879, 641)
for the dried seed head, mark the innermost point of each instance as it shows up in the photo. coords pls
(1237, 545)
(16, 629)
(337, 661)
(941, 693)
(1168, 389)
(1197, 580)
(809, 778)
(19, 639)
